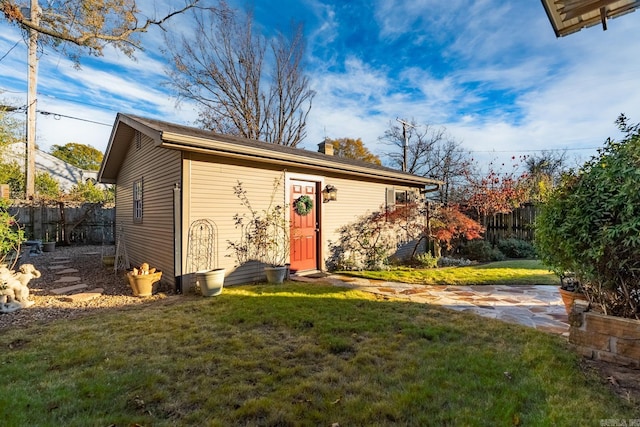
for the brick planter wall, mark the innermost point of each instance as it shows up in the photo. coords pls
(608, 338)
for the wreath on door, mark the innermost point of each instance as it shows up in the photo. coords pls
(303, 205)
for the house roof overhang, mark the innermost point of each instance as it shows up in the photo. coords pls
(570, 16)
(185, 138)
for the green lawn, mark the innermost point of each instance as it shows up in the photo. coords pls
(517, 272)
(294, 355)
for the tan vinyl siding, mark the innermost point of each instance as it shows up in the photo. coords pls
(211, 196)
(151, 240)
(355, 198)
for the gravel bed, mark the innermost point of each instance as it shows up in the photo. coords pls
(88, 261)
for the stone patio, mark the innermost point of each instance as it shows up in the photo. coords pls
(536, 306)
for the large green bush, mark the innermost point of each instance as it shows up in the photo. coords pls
(516, 248)
(481, 250)
(11, 236)
(591, 225)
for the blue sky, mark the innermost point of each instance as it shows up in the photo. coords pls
(491, 72)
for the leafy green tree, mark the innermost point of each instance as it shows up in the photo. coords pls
(87, 192)
(13, 174)
(79, 155)
(47, 186)
(11, 129)
(543, 172)
(591, 225)
(350, 148)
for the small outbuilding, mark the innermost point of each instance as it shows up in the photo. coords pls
(169, 177)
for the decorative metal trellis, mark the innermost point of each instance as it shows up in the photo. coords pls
(202, 246)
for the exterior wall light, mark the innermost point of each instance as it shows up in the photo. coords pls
(329, 193)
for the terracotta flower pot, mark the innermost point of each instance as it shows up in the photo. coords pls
(569, 297)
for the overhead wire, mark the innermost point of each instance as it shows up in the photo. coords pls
(9, 51)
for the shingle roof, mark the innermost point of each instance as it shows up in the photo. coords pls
(187, 138)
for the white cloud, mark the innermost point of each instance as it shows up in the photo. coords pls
(512, 86)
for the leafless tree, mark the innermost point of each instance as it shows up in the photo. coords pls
(431, 152)
(88, 25)
(243, 84)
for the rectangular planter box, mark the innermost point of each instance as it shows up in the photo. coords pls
(608, 338)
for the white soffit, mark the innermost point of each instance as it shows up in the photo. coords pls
(570, 16)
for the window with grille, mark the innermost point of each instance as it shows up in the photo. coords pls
(137, 200)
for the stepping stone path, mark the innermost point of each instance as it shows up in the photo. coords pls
(67, 271)
(78, 291)
(83, 296)
(68, 289)
(68, 279)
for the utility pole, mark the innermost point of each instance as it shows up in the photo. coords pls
(406, 143)
(30, 169)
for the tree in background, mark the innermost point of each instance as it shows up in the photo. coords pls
(47, 186)
(243, 84)
(11, 132)
(87, 192)
(80, 155)
(449, 227)
(543, 172)
(495, 191)
(88, 25)
(350, 148)
(431, 152)
(11, 129)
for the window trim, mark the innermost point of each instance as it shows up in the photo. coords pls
(138, 192)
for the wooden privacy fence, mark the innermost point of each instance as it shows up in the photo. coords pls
(518, 224)
(88, 223)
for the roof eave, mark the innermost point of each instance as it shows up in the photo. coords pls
(230, 150)
(123, 130)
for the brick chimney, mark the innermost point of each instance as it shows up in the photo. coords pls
(326, 147)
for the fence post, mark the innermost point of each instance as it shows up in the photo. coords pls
(36, 221)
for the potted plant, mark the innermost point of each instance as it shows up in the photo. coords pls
(265, 234)
(143, 279)
(570, 290)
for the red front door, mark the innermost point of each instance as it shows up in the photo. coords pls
(304, 227)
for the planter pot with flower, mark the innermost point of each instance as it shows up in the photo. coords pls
(143, 280)
(276, 274)
(264, 234)
(570, 290)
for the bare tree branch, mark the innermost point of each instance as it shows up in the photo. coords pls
(242, 84)
(431, 152)
(90, 25)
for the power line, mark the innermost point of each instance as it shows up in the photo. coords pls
(530, 151)
(57, 116)
(9, 51)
